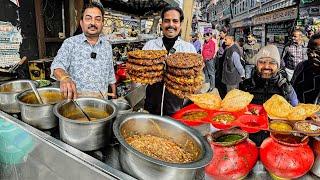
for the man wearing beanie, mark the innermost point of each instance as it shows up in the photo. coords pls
(306, 77)
(267, 81)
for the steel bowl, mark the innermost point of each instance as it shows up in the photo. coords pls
(141, 166)
(39, 115)
(86, 135)
(8, 93)
(123, 106)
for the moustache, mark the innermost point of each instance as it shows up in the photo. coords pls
(92, 26)
(171, 27)
(266, 70)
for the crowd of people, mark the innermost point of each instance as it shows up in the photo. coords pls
(263, 71)
(84, 63)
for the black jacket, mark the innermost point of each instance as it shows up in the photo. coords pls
(306, 81)
(263, 89)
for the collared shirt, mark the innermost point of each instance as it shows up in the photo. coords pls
(299, 53)
(179, 46)
(89, 74)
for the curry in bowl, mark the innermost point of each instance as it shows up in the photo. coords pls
(48, 97)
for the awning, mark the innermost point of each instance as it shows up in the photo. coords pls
(138, 7)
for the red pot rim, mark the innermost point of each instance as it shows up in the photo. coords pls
(220, 133)
(304, 142)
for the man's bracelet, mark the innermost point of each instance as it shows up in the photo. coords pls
(64, 77)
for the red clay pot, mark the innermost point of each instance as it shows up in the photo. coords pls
(231, 160)
(285, 156)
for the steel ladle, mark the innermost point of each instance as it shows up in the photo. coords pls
(82, 111)
(36, 92)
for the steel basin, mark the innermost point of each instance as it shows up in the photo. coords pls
(39, 115)
(144, 167)
(8, 93)
(86, 135)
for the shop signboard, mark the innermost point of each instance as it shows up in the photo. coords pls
(283, 15)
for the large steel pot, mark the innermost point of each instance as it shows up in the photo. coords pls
(39, 115)
(8, 93)
(85, 135)
(144, 167)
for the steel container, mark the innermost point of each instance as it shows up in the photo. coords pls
(141, 166)
(85, 135)
(39, 115)
(8, 93)
(123, 106)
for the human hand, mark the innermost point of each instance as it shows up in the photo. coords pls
(68, 88)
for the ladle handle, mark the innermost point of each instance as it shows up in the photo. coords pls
(34, 89)
(83, 112)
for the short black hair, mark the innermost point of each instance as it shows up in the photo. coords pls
(169, 8)
(312, 41)
(93, 5)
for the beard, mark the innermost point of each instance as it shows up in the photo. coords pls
(267, 73)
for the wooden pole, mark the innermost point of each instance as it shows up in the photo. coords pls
(186, 26)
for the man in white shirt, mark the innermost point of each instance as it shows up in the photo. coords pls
(172, 18)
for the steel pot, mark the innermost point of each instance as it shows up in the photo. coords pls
(85, 135)
(144, 167)
(123, 106)
(8, 93)
(39, 115)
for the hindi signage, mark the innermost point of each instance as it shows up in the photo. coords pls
(277, 16)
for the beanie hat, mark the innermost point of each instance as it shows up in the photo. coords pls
(269, 51)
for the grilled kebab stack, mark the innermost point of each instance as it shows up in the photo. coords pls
(184, 74)
(146, 66)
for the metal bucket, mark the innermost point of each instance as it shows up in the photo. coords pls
(39, 115)
(8, 93)
(85, 135)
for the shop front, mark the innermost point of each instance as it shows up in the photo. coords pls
(278, 26)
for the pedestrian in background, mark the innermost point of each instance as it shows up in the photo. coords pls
(195, 41)
(294, 53)
(219, 62)
(306, 76)
(250, 49)
(208, 53)
(233, 72)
